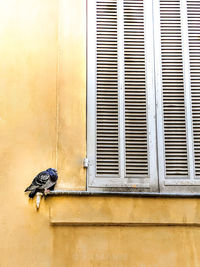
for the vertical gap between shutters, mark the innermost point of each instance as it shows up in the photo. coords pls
(156, 49)
(159, 94)
(121, 86)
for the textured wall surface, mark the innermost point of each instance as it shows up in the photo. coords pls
(43, 124)
(115, 231)
(127, 246)
(42, 117)
(71, 94)
(28, 33)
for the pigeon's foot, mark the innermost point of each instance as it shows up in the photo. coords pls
(46, 191)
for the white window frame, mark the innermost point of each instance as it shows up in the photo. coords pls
(154, 92)
(186, 184)
(94, 182)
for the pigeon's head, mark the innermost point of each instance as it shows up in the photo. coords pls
(51, 170)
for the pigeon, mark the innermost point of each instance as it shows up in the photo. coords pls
(43, 182)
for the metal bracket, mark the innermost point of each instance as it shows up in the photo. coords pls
(38, 199)
(86, 163)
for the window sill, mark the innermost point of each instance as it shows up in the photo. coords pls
(123, 194)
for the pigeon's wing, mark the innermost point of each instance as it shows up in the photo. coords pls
(39, 181)
(48, 184)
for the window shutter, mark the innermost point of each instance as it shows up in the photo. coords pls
(177, 88)
(121, 95)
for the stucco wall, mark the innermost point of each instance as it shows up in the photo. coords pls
(28, 52)
(127, 246)
(42, 117)
(43, 124)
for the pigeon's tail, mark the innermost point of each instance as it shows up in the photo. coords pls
(30, 188)
(32, 193)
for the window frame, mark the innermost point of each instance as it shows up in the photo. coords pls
(154, 51)
(120, 183)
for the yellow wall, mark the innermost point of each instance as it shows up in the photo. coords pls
(43, 124)
(28, 55)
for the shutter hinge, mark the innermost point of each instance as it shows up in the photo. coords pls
(86, 163)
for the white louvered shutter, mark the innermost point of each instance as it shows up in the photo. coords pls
(177, 55)
(121, 95)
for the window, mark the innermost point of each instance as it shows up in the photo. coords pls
(144, 95)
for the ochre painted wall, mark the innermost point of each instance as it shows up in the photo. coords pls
(43, 124)
(42, 117)
(117, 246)
(28, 53)
(71, 94)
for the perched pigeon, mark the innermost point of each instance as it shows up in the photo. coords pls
(43, 182)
